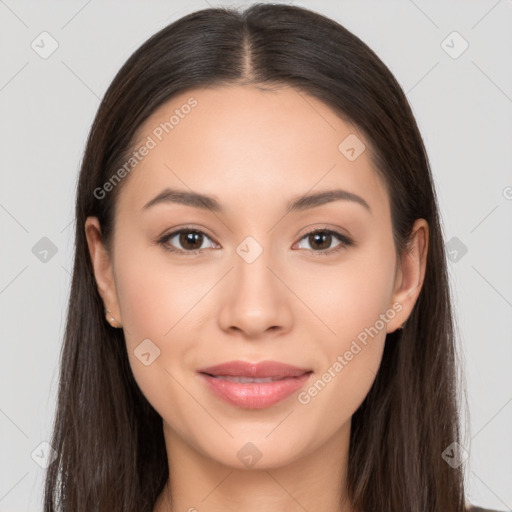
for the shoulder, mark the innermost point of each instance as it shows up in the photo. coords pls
(471, 508)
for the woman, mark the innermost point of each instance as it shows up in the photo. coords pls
(260, 315)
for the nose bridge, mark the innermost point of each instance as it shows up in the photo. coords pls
(256, 300)
(256, 286)
(252, 267)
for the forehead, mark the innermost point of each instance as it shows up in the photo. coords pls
(246, 144)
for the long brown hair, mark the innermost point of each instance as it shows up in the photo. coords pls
(109, 439)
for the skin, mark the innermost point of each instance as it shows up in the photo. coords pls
(254, 150)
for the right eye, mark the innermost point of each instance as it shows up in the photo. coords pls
(191, 241)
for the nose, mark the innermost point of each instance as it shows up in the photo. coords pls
(255, 300)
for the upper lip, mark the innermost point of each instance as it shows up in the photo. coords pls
(257, 370)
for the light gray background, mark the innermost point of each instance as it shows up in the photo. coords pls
(463, 106)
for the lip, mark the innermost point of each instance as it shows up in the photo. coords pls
(257, 370)
(286, 379)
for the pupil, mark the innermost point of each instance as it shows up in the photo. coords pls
(318, 236)
(190, 238)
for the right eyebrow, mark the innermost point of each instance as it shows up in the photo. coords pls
(193, 199)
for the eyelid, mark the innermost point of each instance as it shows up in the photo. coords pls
(326, 228)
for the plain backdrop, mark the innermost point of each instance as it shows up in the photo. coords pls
(460, 89)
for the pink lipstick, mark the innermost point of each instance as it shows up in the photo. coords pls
(254, 385)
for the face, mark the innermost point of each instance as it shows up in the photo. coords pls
(244, 276)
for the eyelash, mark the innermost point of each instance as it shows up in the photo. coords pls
(344, 241)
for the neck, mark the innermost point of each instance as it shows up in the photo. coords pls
(316, 481)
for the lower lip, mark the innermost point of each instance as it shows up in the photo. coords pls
(254, 395)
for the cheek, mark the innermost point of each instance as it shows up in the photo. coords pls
(355, 307)
(348, 296)
(158, 297)
(352, 303)
(154, 302)
(160, 302)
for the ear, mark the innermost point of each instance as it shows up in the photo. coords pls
(102, 266)
(410, 274)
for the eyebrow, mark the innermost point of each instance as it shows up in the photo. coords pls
(305, 202)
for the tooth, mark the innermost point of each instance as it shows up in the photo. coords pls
(246, 380)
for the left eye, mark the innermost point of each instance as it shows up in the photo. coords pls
(191, 241)
(322, 239)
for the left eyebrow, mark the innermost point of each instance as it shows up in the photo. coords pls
(305, 202)
(327, 196)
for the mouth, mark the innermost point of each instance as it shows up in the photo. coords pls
(254, 385)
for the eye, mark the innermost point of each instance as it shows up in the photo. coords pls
(320, 241)
(191, 241)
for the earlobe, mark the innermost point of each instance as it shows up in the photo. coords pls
(411, 275)
(103, 271)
